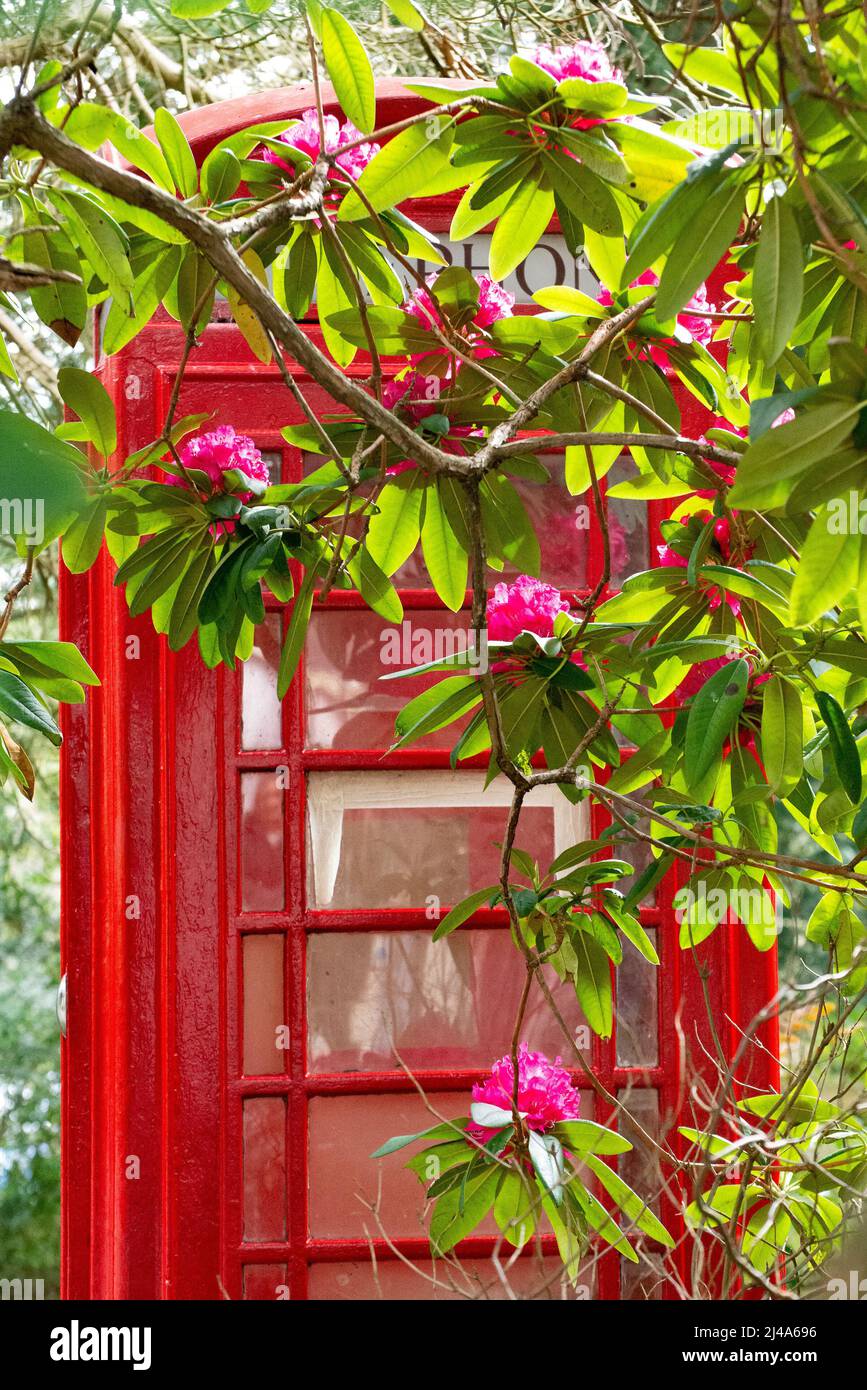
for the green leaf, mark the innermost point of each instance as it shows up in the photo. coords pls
(513, 1209)
(334, 294)
(61, 305)
(82, 540)
(766, 470)
(631, 927)
(447, 1130)
(296, 275)
(88, 399)
(406, 12)
(221, 174)
(17, 702)
(460, 1210)
(593, 982)
(394, 529)
(844, 749)
(827, 570)
(42, 479)
(349, 69)
(101, 240)
(434, 708)
(582, 1137)
(699, 247)
(590, 199)
(657, 228)
(525, 219)
(402, 169)
(629, 1202)
(63, 658)
(444, 556)
(463, 910)
(178, 155)
(198, 9)
(712, 716)
(778, 280)
(185, 607)
(782, 735)
(295, 633)
(153, 276)
(375, 588)
(141, 151)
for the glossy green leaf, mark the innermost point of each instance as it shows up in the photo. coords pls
(712, 717)
(86, 396)
(778, 279)
(524, 221)
(445, 557)
(349, 69)
(782, 734)
(700, 245)
(844, 748)
(176, 149)
(17, 702)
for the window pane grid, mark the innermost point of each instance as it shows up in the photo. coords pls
(296, 923)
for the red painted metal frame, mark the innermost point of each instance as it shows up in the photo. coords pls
(151, 925)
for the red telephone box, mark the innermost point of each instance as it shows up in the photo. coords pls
(241, 970)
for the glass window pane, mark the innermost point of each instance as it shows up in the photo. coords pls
(264, 1023)
(344, 1131)
(640, 1166)
(262, 798)
(439, 1005)
(637, 1017)
(349, 651)
(265, 1282)
(562, 525)
(345, 1181)
(261, 711)
(420, 839)
(265, 1169)
(274, 459)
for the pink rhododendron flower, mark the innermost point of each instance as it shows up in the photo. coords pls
(583, 59)
(305, 137)
(722, 537)
(217, 452)
(691, 317)
(546, 1095)
(495, 303)
(701, 672)
(524, 604)
(417, 397)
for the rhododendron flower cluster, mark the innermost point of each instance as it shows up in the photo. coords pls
(722, 537)
(546, 1095)
(582, 59)
(524, 605)
(693, 317)
(413, 394)
(495, 303)
(222, 451)
(305, 137)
